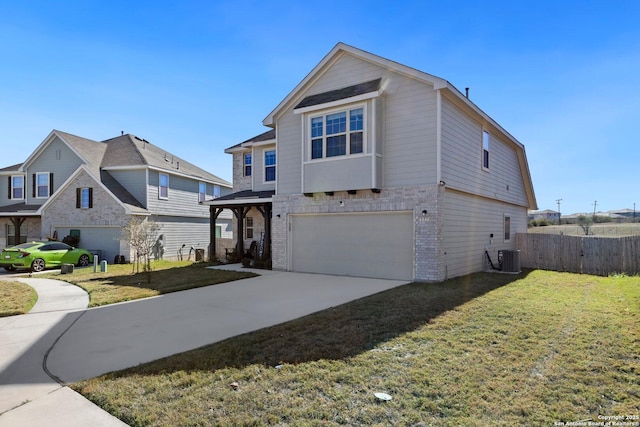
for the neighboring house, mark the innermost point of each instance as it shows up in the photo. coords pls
(76, 186)
(375, 169)
(547, 214)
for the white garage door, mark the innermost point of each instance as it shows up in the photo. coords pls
(359, 244)
(104, 239)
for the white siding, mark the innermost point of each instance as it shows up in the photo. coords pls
(190, 232)
(469, 222)
(289, 155)
(462, 159)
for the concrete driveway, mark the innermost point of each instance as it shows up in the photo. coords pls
(71, 345)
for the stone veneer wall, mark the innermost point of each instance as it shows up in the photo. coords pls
(429, 263)
(63, 212)
(240, 182)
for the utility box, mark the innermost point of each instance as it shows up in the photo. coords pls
(510, 261)
(66, 269)
(199, 255)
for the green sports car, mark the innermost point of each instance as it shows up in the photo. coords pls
(36, 256)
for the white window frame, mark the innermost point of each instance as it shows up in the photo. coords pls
(14, 188)
(486, 150)
(274, 166)
(202, 193)
(506, 227)
(324, 113)
(248, 227)
(161, 187)
(245, 164)
(84, 205)
(47, 175)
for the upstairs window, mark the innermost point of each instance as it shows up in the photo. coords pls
(485, 149)
(163, 188)
(247, 164)
(202, 192)
(16, 187)
(216, 191)
(270, 165)
(42, 185)
(338, 133)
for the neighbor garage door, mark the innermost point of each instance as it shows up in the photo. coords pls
(104, 239)
(356, 244)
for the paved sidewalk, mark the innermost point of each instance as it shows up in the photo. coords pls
(79, 344)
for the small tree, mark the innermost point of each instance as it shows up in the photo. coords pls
(142, 235)
(585, 222)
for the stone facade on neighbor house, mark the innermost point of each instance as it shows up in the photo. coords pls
(375, 169)
(74, 185)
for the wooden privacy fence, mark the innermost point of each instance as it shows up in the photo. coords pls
(600, 256)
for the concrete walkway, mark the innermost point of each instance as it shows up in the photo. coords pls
(72, 345)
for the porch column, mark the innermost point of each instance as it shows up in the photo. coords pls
(240, 213)
(17, 223)
(213, 216)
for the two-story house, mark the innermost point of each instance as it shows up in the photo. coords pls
(77, 186)
(375, 169)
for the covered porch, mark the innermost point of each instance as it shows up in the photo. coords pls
(241, 203)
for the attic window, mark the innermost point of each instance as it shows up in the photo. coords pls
(163, 188)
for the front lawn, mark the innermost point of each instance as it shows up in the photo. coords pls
(486, 349)
(16, 298)
(119, 283)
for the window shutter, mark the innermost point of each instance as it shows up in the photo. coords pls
(9, 192)
(51, 183)
(90, 197)
(78, 197)
(33, 184)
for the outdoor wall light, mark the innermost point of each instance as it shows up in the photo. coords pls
(442, 183)
(341, 204)
(278, 215)
(424, 212)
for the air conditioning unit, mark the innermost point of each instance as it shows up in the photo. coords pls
(510, 261)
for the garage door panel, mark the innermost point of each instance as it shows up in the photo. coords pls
(363, 244)
(104, 239)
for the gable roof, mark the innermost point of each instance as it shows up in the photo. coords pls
(129, 150)
(299, 96)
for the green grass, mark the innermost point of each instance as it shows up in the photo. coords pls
(486, 349)
(119, 283)
(16, 298)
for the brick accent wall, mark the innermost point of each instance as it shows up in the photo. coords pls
(63, 212)
(429, 263)
(240, 182)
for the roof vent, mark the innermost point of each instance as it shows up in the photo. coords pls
(165, 157)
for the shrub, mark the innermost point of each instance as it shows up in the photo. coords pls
(246, 262)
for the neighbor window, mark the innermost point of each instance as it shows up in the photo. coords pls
(337, 134)
(247, 164)
(248, 227)
(507, 228)
(270, 165)
(485, 149)
(216, 191)
(202, 192)
(163, 190)
(42, 185)
(84, 198)
(16, 190)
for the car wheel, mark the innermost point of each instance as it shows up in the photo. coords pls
(37, 264)
(9, 268)
(83, 261)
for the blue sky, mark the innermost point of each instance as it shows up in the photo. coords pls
(195, 77)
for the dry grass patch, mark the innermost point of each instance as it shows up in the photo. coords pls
(16, 298)
(119, 283)
(486, 349)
